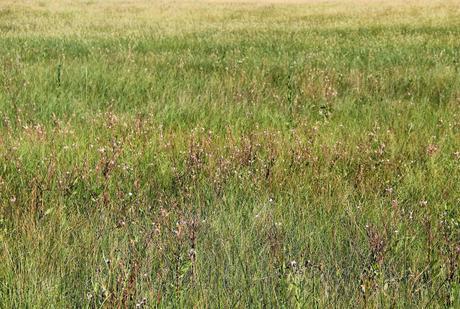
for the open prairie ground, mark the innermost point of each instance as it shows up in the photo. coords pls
(229, 154)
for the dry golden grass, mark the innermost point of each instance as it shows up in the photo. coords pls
(89, 16)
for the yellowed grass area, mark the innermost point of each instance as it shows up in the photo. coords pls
(133, 17)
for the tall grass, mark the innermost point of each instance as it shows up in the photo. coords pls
(214, 154)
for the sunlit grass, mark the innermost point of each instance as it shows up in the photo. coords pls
(229, 154)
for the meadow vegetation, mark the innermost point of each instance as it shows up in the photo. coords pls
(229, 154)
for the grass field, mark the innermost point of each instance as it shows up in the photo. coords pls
(229, 154)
